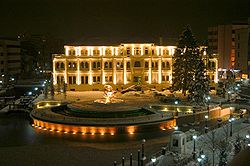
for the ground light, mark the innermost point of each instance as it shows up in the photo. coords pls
(176, 127)
(153, 159)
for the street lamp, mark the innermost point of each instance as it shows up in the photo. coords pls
(176, 128)
(153, 159)
(194, 150)
(143, 157)
(206, 127)
(248, 139)
(231, 126)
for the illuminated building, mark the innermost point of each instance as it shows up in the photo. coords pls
(91, 67)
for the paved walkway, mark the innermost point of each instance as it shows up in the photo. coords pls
(205, 144)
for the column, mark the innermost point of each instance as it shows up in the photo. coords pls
(102, 70)
(159, 71)
(150, 71)
(66, 71)
(114, 71)
(90, 72)
(54, 73)
(124, 72)
(78, 72)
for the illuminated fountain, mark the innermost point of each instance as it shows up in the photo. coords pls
(109, 96)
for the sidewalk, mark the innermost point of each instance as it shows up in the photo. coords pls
(205, 143)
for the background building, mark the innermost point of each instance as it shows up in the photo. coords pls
(36, 54)
(10, 60)
(91, 67)
(231, 44)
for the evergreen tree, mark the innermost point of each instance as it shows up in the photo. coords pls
(199, 86)
(184, 61)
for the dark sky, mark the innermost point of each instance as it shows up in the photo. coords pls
(117, 20)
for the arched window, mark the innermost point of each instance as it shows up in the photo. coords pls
(168, 65)
(128, 65)
(137, 64)
(146, 64)
(98, 64)
(106, 65)
(86, 65)
(213, 65)
(156, 64)
(118, 65)
(94, 65)
(62, 65)
(209, 64)
(74, 65)
(84, 52)
(163, 65)
(70, 64)
(110, 64)
(57, 65)
(82, 65)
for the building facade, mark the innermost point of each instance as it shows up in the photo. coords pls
(91, 67)
(10, 59)
(230, 44)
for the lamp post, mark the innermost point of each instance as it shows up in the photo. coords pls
(231, 126)
(143, 157)
(248, 140)
(123, 161)
(131, 159)
(176, 102)
(206, 127)
(194, 149)
(138, 157)
(208, 98)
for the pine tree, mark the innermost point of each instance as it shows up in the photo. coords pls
(184, 61)
(199, 86)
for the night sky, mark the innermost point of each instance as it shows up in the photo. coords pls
(117, 20)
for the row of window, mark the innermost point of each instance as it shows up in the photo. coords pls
(97, 79)
(137, 51)
(109, 65)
